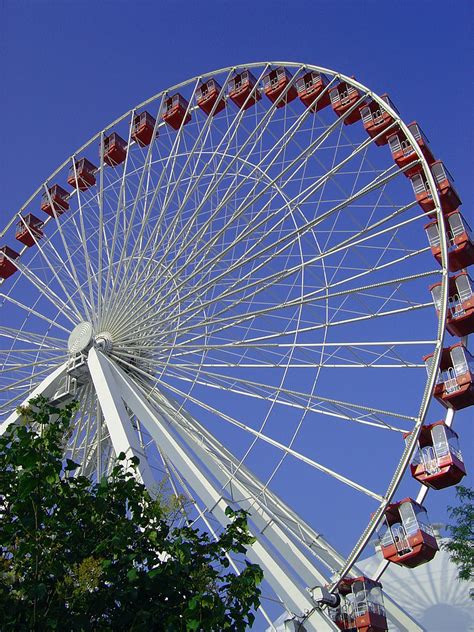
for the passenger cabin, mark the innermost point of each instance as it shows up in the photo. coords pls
(454, 387)
(403, 152)
(343, 97)
(115, 149)
(143, 126)
(445, 184)
(361, 608)
(311, 90)
(85, 172)
(7, 267)
(407, 537)
(448, 196)
(176, 111)
(376, 120)
(460, 314)
(460, 241)
(56, 197)
(438, 461)
(207, 97)
(29, 230)
(275, 86)
(243, 91)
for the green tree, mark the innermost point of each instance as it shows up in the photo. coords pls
(78, 555)
(461, 544)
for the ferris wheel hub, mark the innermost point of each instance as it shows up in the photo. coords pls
(104, 342)
(80, 338)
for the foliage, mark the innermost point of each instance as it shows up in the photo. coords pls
(78, 555)
(460, 546)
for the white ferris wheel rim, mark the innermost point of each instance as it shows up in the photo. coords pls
(82, 339)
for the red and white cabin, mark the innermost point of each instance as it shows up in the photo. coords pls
(343, 96)
(361, 608)
(460, 314)
(175, 111)
(143, 126)
(460, 241)
(445, 184)
(243, 91)
(408, 539)
(448, 196)
(207, 95)
(376, 120)
(57, 198)
(115, 149)
(403, 152)
(85, 171)
(7, 267)
(29, 230)
(274, 85)
(310, 90)
(454, 387)
(438, 461)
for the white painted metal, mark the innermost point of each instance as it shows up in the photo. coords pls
(265, 509)
(122, 435)
(296, 598)
(46, 388)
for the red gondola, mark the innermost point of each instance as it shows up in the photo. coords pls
(207, 95)
(7, 267)
(377, 120)
(115, 149)
(243, 91)
(29, 230)
(460, 314)
(403, 152)
(175, 111)
(275, 83)
(454, 387)
(408, 539)
(361, 608)
(461, 241)
(448, 196)
(85, 172)
(445, 185)
(438, 461)
(59, 199)
(310, 90)
(143, 126)
(343, 97)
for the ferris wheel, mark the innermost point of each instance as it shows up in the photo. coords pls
(232, 280)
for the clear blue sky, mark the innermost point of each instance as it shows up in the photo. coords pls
(68, 68)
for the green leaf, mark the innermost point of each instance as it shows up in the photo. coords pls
(52, 478)
(132, 574)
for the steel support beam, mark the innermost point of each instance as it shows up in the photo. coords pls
(123, 436)
(46, 388)
(297, 599)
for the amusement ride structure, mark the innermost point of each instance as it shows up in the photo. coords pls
(233, 280)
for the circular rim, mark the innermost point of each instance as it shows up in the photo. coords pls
(430, 383)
